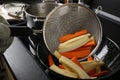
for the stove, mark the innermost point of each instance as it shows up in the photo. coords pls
(24, 63)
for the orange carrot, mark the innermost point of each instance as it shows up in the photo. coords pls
(50, 60)
(70, 36)
(91, 43)
(66, 37)
(61, 66)
(74, 59)
(82, 48)
(81, 32)
(100, 73)
(77, 54)
(90, 58)
(91, 72)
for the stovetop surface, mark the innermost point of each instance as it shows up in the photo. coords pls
(26, 66)
(20, 59)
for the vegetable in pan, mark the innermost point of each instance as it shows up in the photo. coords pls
(79, 44)
(73, 47)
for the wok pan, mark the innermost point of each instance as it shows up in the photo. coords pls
(110, 56)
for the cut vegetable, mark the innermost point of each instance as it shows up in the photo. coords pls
(98, 69)
(57, 54)
(91, 43)
(50, 60)
(63, 71)
(77, 54)
(82, 48)
(74, 43)
(90, 58)
(90, 65)
(74, 59)
(74, 67)
(61, 66)
(70, 36)
(100, 73)
(73, 47)
(92, 72)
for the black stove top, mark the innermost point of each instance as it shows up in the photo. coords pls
(110, 40)
(26, 64)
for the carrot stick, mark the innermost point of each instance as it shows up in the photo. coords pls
(91, 43)
(82, 48)
(92, 72)
(100, 73)
(74, 59)
(98, 69)
(70, 36)
(90, 58)
(50, 60)
(66, 37)
(81, 32)
(77, 54)
(61, 66)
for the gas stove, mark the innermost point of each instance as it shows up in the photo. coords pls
(24, 63)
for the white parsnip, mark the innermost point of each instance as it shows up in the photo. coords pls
(74, 67)
(64, 72)
(90, 65)
(57, 54)
(74, 43)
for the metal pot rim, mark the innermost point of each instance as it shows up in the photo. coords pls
(45, 3)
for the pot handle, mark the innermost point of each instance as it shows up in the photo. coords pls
(20, 31)
(30, 21)
(23, 31)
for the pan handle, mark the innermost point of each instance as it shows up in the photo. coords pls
(23, 31)
(20, 31)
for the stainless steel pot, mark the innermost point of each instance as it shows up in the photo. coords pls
(39, 11)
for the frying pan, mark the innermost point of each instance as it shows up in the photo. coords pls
(110, 56)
